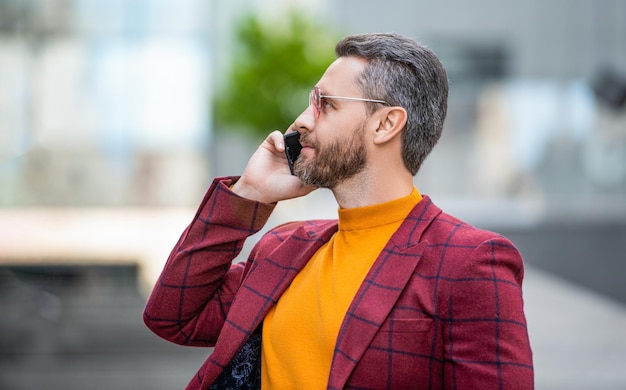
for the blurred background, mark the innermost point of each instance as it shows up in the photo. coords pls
(115, 116)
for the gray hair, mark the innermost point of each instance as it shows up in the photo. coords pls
(403, 73)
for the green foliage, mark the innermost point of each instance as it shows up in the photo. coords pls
(273, 71)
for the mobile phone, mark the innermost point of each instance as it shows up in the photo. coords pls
(292, 148)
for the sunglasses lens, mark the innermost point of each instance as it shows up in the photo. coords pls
(314, 100)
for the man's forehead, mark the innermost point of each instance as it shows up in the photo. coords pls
(342, 74)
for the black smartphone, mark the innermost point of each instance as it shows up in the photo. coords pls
(292, 148)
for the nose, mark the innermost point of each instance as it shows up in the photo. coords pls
(306, 120)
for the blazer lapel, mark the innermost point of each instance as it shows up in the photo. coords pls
(379, 292)
(274, 272)
(266, 281)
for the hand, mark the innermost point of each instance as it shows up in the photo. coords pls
(267, 178)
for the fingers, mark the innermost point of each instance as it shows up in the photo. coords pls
(266, 177)
(276, 139)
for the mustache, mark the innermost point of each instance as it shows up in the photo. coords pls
(304, 139)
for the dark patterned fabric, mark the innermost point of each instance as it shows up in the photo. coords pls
(441, 308)
(244, 370)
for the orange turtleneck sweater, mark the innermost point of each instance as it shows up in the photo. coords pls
(299, 332)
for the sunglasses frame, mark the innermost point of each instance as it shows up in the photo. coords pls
(316, 96)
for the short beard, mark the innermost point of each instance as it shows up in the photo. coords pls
(332, 164)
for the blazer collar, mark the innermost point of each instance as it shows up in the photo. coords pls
(262, 286)
(302, 244)
(290, 253)
(380, 291)
(293, 253)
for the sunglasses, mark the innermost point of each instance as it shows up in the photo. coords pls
(316, 97)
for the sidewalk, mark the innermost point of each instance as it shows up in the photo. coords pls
(578, 337)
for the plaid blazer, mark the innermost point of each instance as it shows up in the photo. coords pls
(440, 308)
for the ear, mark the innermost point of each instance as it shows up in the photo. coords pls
(391, 123)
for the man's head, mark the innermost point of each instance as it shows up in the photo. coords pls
(380, 105)
(403, 73)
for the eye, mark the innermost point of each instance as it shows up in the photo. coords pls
(325, 103)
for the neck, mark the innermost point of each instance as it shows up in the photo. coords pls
(367, 189)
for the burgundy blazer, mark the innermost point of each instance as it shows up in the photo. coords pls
(441, 308)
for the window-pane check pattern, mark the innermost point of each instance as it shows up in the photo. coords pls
(441, 307)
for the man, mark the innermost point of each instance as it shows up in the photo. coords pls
(395, 294)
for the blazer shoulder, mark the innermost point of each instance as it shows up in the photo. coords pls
(458, 230)
(299, 233)
(311, 227)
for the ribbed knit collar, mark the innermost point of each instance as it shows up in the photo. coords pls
(369, 217)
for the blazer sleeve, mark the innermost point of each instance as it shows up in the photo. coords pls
(485, 332)
(190, 301)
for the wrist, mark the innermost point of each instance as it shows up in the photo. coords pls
(243, 190)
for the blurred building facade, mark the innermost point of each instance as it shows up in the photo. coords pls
(108, 103)
(537, 98)
(103, 102)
